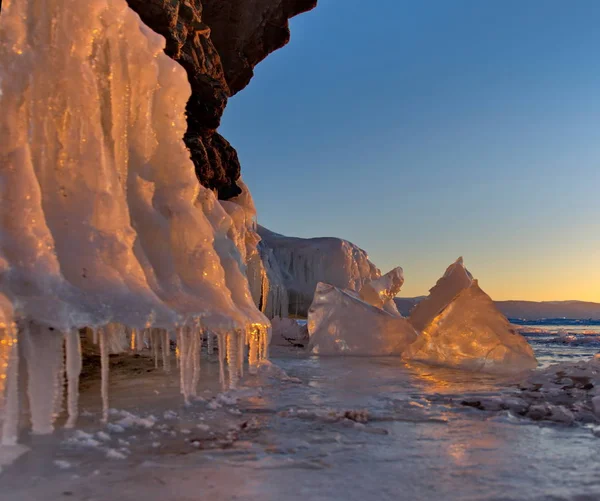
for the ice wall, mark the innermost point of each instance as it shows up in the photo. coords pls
(470, 333)
(102, 220)
(455, 279)
(340, 323)
(304, 262)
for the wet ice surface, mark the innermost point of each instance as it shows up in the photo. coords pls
(351, 428)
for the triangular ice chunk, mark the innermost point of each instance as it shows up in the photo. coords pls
(456, 279)
(470, 333)
(340, 323)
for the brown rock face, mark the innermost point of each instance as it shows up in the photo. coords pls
(218, 42)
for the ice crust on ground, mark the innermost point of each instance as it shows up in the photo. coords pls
(455, 279)
(103, 223)
(470, 333)
(304, 262)
(340, 323)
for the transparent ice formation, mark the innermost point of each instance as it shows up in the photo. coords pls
(455, 279)
(470, 333)
(340, 323)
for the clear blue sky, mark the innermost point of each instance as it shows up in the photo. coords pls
(427, 129)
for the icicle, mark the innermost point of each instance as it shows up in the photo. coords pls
(166, 350)
(43, 351)
(253, 349)
(73, 362)
(221, 348)
(11, 411)
(95, 336)
(197, 344)
(233, 359)
(241, 351)
(210, 342)
(133, 340)
(104, 363)
(154, 340)
(59, 393)
(181, 348)
(178, 347)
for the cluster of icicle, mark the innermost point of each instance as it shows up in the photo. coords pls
(53, 359)
(103, 223)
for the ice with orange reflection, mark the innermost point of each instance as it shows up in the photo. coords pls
(470, 333)
(340, 323)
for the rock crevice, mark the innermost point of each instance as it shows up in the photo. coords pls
(218, 42)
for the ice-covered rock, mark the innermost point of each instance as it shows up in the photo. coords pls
(455, 279)
(382, 291)
(102, 220)
(304, 262)
(340, 323)
(470, 333)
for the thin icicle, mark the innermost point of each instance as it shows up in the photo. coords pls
(43, 352)
(221, 348)
(253, 349)
(178, 347)
(210, 342)
(104, 363)
(73, 363)
(241, 351)
(233, 359)
(197, 343)
(154, 340)
(165, 339)
(10, 425)
(59, 392)
(181, 346)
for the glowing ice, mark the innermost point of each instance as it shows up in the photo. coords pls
(470, 333)
(382, 291)
(339, 322)
(102, 220)
(304, 262)
(456, 279)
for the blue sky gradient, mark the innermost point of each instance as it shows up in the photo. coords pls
(424, 130)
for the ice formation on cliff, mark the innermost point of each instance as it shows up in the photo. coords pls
(470, 333)
(103, 223)
(455, 279)
(304, 262)
(340, 323)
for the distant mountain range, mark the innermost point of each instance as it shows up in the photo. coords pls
(527, 310)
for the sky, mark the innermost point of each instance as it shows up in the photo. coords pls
(424, 130)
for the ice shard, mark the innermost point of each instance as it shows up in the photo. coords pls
(340, 323)
(455, 279)
(470, 333)
(382, 291)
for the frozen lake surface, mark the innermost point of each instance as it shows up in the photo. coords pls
(347, 429)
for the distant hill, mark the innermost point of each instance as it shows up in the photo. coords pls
(528, 310)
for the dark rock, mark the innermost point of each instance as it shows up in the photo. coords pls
(218, 42)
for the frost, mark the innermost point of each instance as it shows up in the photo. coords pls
(63, 465)
(340, 323)
(115, 454)
(470, 333)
